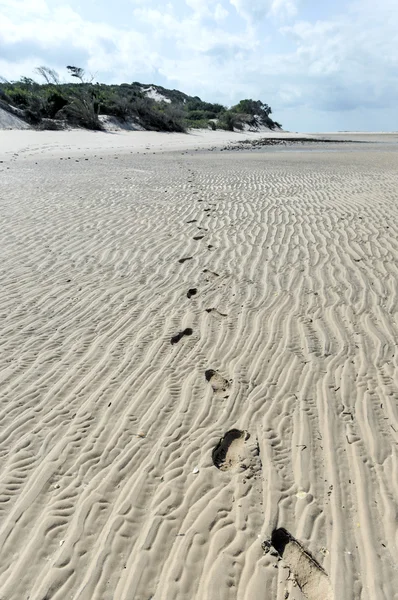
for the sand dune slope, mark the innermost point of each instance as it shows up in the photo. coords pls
(197, 351)
(11, 121)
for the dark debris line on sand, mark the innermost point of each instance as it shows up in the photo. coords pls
(249, 144)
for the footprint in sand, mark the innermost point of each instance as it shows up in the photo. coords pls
(219, 384)
(176, 338)
(182, 260)
(192, 292)
(198, 237)
(234, 453)
(311, 578)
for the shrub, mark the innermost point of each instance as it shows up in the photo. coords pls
(230, 121)
(82, 112)
(203, 124)
(19, 97)
(51, 125)
(163, 117)
(197, 115)
(118, 106)
(55, 103)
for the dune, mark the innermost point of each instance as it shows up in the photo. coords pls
(11, 121)
(198, 375)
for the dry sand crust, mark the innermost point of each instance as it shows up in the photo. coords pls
(198, 371)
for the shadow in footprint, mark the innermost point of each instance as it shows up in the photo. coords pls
(182, 260)
(176, 338)
(280, 539)
(234, 453)
(226, 454)
(309, 575)
(198, 237)
(219, 384)
(192, 292)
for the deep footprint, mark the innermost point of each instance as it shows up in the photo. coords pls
(233, 453)
(309, 575)
(219, 384)
(192, 292)
(182, 260)
(176, 338)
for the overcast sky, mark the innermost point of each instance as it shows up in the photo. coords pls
(322, 65)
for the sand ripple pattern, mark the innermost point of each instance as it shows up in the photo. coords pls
(107, 484)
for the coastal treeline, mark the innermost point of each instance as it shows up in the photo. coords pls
(52, 104)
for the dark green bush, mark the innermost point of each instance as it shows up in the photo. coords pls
(203, 124)
(19, 97)
(163, 117)
(230, 121)
(197, 115)
(82, 112)
(55, 103)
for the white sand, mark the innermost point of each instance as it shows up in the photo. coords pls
(109, 432)
(30, 144)
(63, 143)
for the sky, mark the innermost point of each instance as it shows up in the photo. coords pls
(322, 65)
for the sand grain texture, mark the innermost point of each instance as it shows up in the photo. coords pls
(108, 488)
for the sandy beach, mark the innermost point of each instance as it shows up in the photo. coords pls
(198, 368)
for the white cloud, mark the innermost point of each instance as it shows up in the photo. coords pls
(206, 9)
(199, 6)
(59, 35)
(26, 7)
(254, 10)
(286, 8)
(220, 13)
(349, 61)
(190, 37)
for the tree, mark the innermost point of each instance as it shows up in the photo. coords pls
(231, 121)
(77, 72)
(50, 75)
(28, 81)
(81, 74)
(252, 107)
(256, 109)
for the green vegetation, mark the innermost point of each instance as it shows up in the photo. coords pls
(53, 105)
